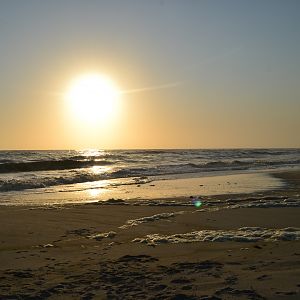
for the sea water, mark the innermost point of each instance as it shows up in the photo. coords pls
(37, 177)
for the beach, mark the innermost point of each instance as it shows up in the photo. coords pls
(233, 246)
(149, 150)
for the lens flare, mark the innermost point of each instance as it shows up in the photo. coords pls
(197, 202)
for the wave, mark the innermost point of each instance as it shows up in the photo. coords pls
(169, 169)
(44, 182)
(250, 163)
(71, 167)
(110, 156)
(237, 164)
(13, 167)
(20, 184)
(65, 164)
(2, 161)
(272, 151)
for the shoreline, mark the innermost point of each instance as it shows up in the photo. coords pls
(96, 251)
(182, 187)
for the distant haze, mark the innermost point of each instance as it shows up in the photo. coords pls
(192, 74)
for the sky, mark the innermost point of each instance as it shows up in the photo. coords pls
(191, 74)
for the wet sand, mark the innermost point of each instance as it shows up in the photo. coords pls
(105, 250)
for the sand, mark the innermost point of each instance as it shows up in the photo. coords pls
(107, 251)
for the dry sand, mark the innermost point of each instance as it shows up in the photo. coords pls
(86, 252)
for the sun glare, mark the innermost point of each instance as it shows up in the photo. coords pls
(93, 97)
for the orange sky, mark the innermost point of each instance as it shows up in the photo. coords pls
(191, 74)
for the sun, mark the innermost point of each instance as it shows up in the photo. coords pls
(93, 98)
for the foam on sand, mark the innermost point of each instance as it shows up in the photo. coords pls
(269, 202)
(157, 217)
(100, 236)
(264, 202)
(243, 234)
(210, 205)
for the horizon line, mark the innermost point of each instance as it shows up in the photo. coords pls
(141, 149)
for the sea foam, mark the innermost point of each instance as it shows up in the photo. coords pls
(243, 234)
(157, 217)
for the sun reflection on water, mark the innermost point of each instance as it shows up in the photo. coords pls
(94, 192)
(97, 188)
(92, 152)
(99, 169)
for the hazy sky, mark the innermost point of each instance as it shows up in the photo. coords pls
(227, 72)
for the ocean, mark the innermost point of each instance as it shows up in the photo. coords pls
(38, 172)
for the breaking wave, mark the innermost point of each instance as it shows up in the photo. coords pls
(10, 167)
(21, 170)
(19, 184)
